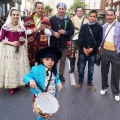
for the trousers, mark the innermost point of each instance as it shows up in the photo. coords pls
(113, 59)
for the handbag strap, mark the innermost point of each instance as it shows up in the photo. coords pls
(107, 34)
(92, 34)
(82, 22)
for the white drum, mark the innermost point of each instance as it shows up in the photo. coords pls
(45, 105)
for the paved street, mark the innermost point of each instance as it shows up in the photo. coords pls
(82, 104)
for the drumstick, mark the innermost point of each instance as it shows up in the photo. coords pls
(45, 97)
(42, 93)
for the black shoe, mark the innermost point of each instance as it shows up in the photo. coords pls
(62, 78)
(71, 70)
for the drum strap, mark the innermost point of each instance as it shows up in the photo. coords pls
(47, 84)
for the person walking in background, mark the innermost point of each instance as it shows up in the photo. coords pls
(62, 31)
(14, 63)
(38, 30)
(71, 15)
(78, 20)
(90, 38)
(111, 54)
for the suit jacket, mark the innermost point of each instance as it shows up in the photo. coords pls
(37, 73)
(116, 37)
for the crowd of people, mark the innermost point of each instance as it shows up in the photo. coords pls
(41, 42)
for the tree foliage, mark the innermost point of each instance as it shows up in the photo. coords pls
(68, 13)
(76, 4)
(47, 10)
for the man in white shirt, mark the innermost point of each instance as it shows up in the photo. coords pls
(111, 54)
(78, 20)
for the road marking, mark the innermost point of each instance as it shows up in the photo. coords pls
(72, 75)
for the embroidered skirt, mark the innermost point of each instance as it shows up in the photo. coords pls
(13, 66)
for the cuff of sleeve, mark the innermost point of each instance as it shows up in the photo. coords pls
(53, 33)
(65, 33)
(94, 47)
(29, 32)
(82, 46)
(47, 32)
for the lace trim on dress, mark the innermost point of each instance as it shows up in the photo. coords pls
(9, 28)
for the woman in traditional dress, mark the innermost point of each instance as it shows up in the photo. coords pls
(14, 63)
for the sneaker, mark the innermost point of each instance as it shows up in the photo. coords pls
(92, 87)
(78, 86)
(71, 70)
(103, 91)
(62, 78)
(117, 98)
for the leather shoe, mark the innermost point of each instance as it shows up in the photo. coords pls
(71, 70)
(78, 86)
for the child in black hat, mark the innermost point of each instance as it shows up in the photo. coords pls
(40, 74)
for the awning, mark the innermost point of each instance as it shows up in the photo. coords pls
(5, 1)
(10, 1)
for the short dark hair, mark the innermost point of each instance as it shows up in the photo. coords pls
(111, 10)
(38, 3)
(93, 11)
(79, 7)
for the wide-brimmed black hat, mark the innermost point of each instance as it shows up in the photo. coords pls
(40, 53)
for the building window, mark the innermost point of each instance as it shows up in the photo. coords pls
(106, 4)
